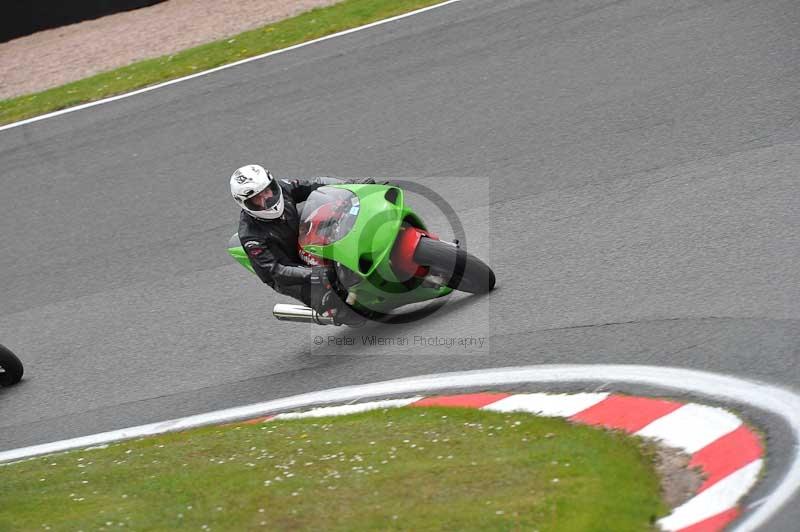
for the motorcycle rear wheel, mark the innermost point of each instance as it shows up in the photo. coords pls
(10, 367)
(460, 270)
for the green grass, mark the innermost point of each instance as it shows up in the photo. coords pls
(307, 26)
(409, 468)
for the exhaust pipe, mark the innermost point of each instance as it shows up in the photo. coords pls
(301, 314)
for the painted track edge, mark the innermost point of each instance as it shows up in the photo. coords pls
(776, 400)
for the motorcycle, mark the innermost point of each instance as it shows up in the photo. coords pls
(383, 254)
(10, 367)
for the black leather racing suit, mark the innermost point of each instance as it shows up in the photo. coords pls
(271, 245)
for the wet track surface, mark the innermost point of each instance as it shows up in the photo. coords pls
(629, 169)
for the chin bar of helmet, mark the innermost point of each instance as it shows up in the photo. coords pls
(300, 313)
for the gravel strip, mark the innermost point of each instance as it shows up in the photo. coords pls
(60, 55)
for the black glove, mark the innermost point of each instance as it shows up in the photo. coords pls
(324, 292)
(369, 181)
(328, 295)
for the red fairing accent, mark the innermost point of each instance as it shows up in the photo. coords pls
(403, 253)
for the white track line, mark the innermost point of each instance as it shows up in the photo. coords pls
(779, 401)
(223, 67)
(349, 409)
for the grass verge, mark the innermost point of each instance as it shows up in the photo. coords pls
(407, 468)
(304, 27)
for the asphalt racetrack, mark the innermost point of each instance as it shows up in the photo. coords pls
(628, 168)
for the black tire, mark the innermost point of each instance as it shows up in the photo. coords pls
(10, 367)
(460, 270)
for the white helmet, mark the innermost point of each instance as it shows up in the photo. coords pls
(257, 192)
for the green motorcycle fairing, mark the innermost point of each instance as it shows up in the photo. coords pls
(356, 226)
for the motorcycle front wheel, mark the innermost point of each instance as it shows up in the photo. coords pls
(10, 367)
(460, 270)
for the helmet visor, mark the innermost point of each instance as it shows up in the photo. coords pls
(266, 199)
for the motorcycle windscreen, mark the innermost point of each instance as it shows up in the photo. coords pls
(328, 215)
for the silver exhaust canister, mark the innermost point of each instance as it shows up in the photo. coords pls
(300, 313)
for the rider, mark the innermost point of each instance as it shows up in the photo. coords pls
(268, 227)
